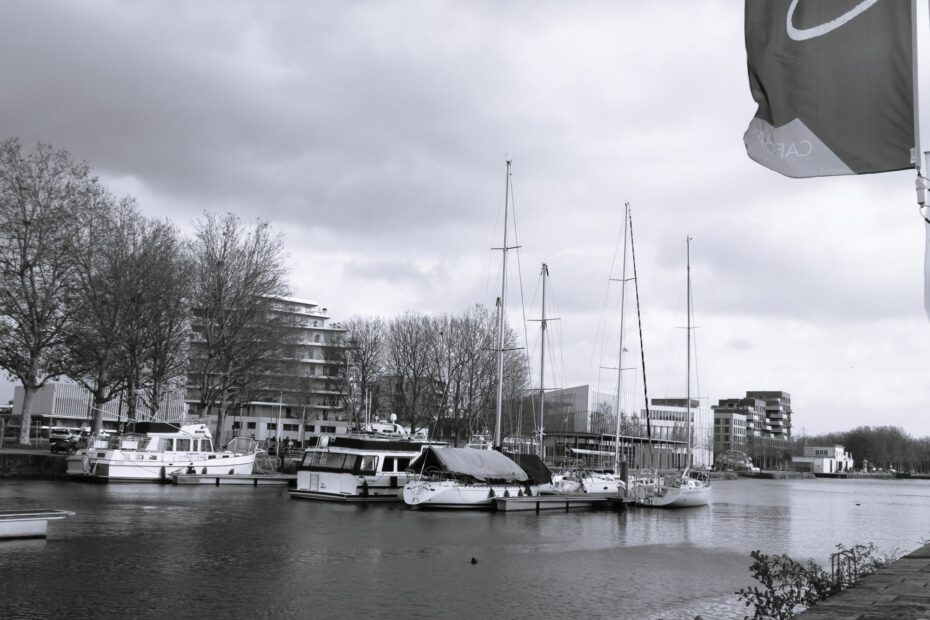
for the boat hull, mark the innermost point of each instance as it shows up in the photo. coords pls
(451, 494)
(22, 524)
(120, 466)
(346, 487)
(678, 497)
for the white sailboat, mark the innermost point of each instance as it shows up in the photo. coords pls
(467, 478)
(687, 488)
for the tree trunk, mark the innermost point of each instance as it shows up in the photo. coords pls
(220, 421)
(28, 392)
(97, 423)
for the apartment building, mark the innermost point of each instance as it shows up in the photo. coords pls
(305, 395)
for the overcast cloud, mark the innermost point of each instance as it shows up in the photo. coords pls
(374, 134)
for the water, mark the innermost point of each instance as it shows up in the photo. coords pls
(150, 551)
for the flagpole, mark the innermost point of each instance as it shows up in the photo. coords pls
(920, 35)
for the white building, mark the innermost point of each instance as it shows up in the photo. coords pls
(65, 403)
(823, 460)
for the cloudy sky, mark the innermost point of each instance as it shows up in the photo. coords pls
(374, 135)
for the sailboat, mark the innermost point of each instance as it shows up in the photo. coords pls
(467, 478)
(687, 488)
(608, 483)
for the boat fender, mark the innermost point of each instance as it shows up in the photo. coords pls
(474, 560)
(190, 469)
(204, 470)
(506, 492)
(162, 473)
(85, 463)
(364, 488)
(232, 471)
(491, 492)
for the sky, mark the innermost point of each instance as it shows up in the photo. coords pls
(374, 136)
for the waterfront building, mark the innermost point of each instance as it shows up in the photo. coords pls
(580, 420)
(777, 411)
(823, 460)
(669, 422)
(68, 403)
(758, 424)
(730, 431)
(304, 395)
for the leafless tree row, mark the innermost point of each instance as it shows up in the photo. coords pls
(434, 372)
(92, 290)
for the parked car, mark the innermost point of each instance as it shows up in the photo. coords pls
(62, 432)
(68, 444)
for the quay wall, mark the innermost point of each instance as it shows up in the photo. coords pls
(31, 465)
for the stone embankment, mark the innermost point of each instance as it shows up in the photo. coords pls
(31, 464)
(900, 591)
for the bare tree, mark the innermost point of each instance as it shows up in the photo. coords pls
(101, 305)
(469, 370)
(240, 335)
(364, 343)
(41, 196)
(130, 308)
(408, 361)
(163, 313)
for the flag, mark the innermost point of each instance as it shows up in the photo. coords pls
(834, 84)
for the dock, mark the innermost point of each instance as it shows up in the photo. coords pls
(19, 524)
(899, 590)
(253, 480)
(539, 503)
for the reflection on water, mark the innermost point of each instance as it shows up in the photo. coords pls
(219, 552)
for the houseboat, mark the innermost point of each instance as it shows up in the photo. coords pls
(360, 468)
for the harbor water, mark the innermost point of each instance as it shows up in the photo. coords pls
(160, 551)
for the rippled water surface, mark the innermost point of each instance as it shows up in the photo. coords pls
(219, 552)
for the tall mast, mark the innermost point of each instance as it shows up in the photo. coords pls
(688, 332)
(500, 320)
(542, 360)
(626, 220)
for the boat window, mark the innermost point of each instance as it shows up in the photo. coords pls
(390, 463)
(369, 465)
(331, 460)
(182, 445)
(206, 445)
(349, 464)
(402, 464)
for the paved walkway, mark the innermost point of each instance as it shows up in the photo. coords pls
(900, 591)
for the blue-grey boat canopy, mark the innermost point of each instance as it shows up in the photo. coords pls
(480, 465)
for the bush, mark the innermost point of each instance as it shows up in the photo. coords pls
(789, 587)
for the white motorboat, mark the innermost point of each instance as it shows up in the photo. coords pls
(356, 469)
(153, 451)
(468, 478)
